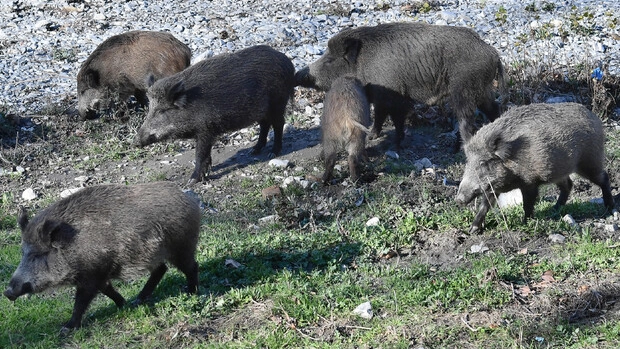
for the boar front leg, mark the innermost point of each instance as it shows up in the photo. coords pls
(109, 291)
(530, 193)
(380, 116)
(203, 158)
(84, 294)
(151, 283)
(483, 209)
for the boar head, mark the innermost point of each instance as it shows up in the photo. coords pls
(168, 115)
(44, 256)
(488, 170)
(339, 59)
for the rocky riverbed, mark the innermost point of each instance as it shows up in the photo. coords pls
(44, 42)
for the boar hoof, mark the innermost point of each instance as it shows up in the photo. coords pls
(475, 229)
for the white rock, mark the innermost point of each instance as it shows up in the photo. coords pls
(280, 163)
(364, 310)
(81, 178)
(569, 219)
(392, 154)
(29, 194)
(68, 192)
(509, 199)
(373, 222)
(422, 164)
(479, 248)
(268, 219)
(598, 201)
(557, 238)
(611, 227)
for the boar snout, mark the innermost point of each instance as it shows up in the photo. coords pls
(465, 195)
(143, 139)
(303, 78)
(87, 114)
(17, 289)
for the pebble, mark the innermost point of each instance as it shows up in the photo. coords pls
(68, 192)
(268, 219)
(29, 194)
(364, 310)
(556, 238)
(373, 222)
(280, 163)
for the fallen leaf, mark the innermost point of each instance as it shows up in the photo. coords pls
(390, 254)
(522, 251)
(583, 289)
(548, 276)
(524, 291)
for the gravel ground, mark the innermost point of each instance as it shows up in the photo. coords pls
(44, 42)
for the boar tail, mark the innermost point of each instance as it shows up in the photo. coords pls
(360, 126)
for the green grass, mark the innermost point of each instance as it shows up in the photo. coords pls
(298, 284)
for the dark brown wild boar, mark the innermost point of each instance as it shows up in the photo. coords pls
(532, 145)
(401, 63)
(121, 64)
(108, 232)
(218, 95)
(344, 125)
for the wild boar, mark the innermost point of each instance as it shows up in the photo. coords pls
(529, 146)
(120, 65)
(345, 121)
(402, 63)
(218, 95)
(108, 232)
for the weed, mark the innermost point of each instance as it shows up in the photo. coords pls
(501, 16)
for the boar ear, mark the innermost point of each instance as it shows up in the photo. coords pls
(497, 145)
(351, 50)
(177, 94)
(502, 148)
(56, 234)
(150, 80)
(91, 78)
(22, 218)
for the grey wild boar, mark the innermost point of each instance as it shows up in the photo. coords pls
(121, 64)
(345, 121)
(402, 63)
(529, 146)
(108, 232)
(218, 95)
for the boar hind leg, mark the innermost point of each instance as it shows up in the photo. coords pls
(83, 296)
(565, 186)
(262, 136)
(330, 162)
(601, 179)
(278, 130)
(151, 283)
(464, 111)
(354, 164)
(399, 128)
(530, 193)
(189, 267)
